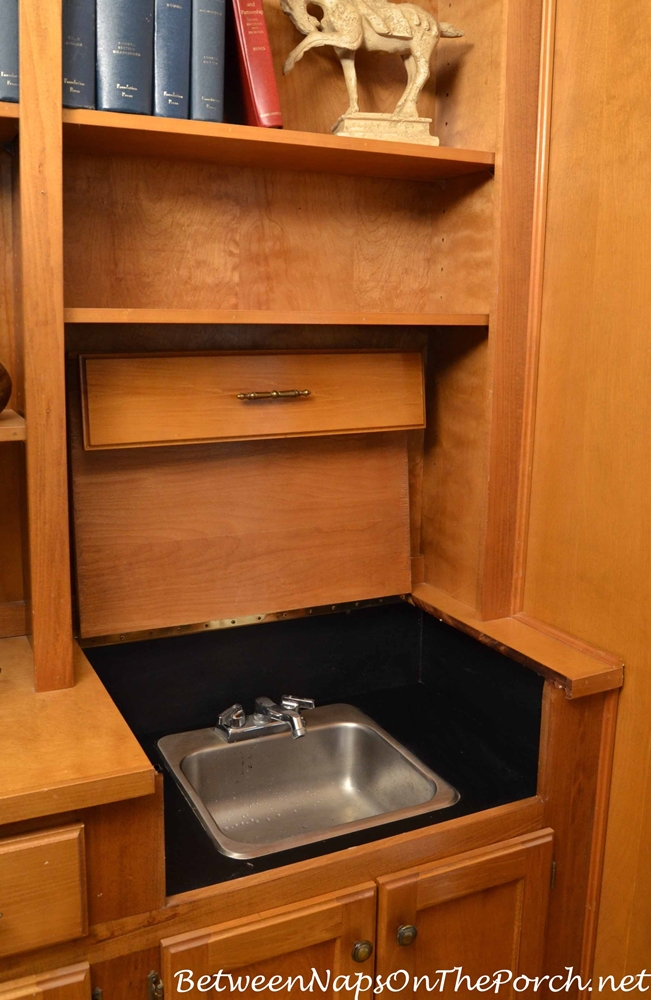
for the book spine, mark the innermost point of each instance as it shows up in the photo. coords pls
(172, 58)
(207, 73)
(9, 50)
(261, 100)
(125, 55)
(79, 53)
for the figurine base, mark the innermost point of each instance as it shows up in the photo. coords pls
(367, 125)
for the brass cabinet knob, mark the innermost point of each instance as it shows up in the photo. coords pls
(407, 934)
(362, 950)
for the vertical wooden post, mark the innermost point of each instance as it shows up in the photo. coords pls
(41, 334)
(510, 336)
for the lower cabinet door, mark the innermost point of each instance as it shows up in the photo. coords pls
(478, 914)
(319, 940)
(64, 984)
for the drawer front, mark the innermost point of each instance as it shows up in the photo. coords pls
(137, 401)
(42, 889)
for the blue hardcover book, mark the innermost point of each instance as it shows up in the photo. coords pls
(79, 53)
(9, 50)
(125, 55)
(207, 79)
(172, 58)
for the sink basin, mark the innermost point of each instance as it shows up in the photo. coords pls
(273, 792)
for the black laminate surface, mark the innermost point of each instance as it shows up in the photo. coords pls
(466, 711)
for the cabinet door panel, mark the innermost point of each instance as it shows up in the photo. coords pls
(480, 912)
(65, 984)
(286, 942)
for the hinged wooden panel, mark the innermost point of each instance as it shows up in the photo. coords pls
(42, 889)
(156, 400)
(289, 941)
(182, 534)
(480, 912)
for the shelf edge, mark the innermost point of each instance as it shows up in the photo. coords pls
(235, 317)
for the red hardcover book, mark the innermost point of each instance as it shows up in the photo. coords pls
(261, 99)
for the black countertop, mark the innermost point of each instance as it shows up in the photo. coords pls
(466, 711)
(435, 730)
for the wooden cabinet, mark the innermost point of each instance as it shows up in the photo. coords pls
(42, 889)
(320, 934)
(72, 983)
(479, 912)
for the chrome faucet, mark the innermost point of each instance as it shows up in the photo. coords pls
(267, 718)
(289, 711)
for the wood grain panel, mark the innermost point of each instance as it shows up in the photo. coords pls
(124, 977)
(510, 335)
(455, 453)
(143, 233)
(478, 912)
(70, 764)
(42, 889)
(214, 531)
(574, 775)
(63, 984)
(287, 941)
(40, 271)
(125, 847)
(588, 568)
(155, 400)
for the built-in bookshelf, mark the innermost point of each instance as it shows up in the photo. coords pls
(110, 134)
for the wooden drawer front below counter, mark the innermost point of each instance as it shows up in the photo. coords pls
(136, 401)
(42, 889)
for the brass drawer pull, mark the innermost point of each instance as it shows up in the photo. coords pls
(406, 935)
(276, 394)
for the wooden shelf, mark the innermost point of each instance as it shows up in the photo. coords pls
(9, 115)
(274, 317)
(12, 426)
(110, 134)
(53, 759)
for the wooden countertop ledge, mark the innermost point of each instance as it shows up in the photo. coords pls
(62, 750)
(574, 665)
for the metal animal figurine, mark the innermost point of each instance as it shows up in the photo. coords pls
(375, 25)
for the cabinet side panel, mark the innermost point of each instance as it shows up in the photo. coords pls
(454, 462)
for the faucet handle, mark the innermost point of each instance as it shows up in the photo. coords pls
(233, 718)
(297, 704)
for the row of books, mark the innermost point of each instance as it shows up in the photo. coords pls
(161, 57)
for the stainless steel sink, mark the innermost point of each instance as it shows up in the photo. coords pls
(274, 792)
